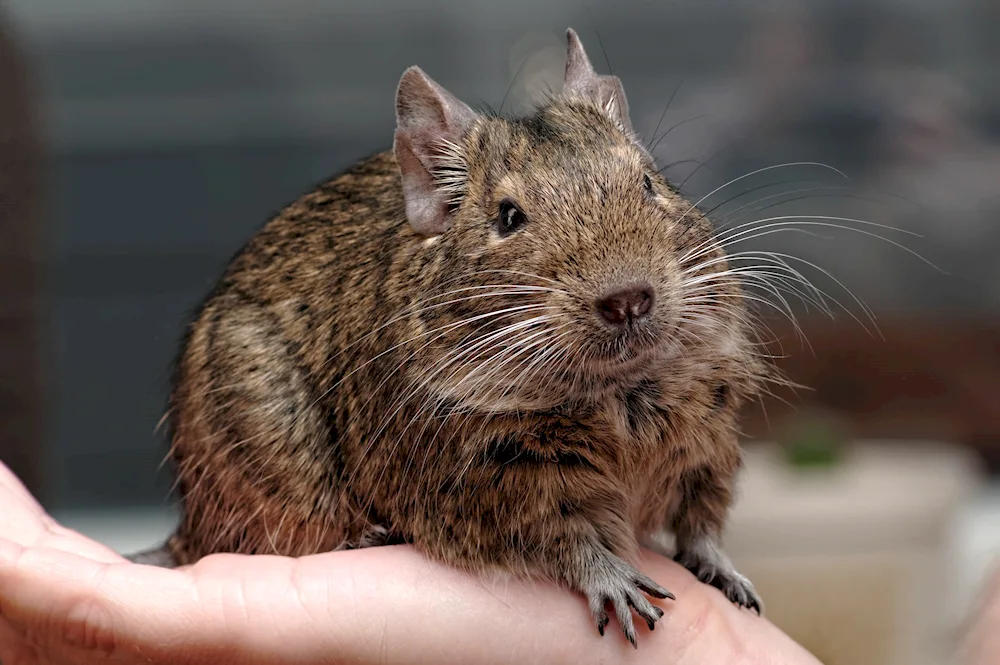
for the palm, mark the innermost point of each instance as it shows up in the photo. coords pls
(67, 599)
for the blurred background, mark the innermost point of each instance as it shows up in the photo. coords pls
(143, 141)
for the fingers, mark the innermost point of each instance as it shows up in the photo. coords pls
(54, 606)
(980, 639)
(24, 521)
(382, 605)
(21, 517)
(12, 484)
(59, 537)
(386, 605)
(229, 609)
(81, 611)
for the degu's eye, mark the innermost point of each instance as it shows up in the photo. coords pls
(647, 183)
(510, 219)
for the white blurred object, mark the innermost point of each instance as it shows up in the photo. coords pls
(858, 561)
(124, 530)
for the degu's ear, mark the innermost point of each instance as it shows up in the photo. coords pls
(430, 125)
(582, 81)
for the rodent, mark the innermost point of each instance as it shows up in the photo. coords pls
(508, 341)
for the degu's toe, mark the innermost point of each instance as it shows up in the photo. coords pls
(734, 591)
(739, 590)
(709, 564)
(623, 593)
(652, 588)
(601, 619)
(644, 608)
(753, 601)
(613, 581)
(623, 613)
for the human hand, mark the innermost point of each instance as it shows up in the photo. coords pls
(67, 600)
(980, 639)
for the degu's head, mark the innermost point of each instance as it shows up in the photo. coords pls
(566, 263)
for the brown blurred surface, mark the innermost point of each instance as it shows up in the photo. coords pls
(21, 253)
(927, 379)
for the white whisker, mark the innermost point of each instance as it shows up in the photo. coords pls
(761, 170)
(783, 221)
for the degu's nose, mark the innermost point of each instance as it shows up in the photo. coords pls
(627, 305)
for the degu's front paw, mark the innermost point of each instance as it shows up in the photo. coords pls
(613, 581)
(709, 563)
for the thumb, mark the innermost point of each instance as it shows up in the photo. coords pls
(59, 607)
(386, 604)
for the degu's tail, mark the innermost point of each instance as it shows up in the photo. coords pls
(162, 556)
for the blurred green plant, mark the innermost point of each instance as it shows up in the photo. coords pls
(815, 439)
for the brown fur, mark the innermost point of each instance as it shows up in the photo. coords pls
(306, 413)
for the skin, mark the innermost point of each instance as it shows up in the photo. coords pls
(980, 643)
(67, 600)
